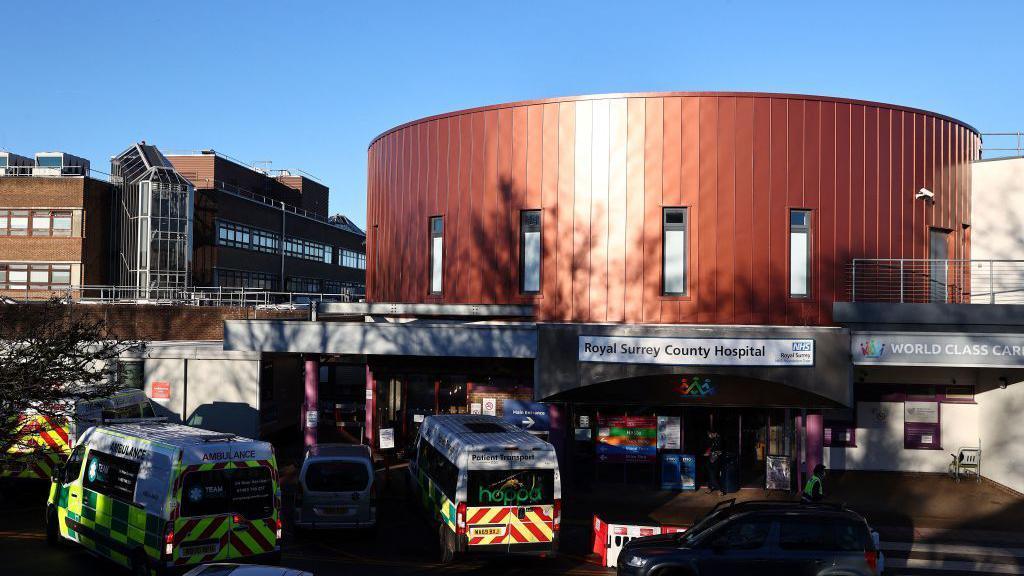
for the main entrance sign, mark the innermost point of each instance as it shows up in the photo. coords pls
(697, 351)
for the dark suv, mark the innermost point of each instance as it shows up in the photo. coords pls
(763, 538)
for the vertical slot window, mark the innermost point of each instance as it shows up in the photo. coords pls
(529, 251)
(800, 253)
(436, 253)
(674, 226)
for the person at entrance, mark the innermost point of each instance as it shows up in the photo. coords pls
(713, 453)
(814, 490)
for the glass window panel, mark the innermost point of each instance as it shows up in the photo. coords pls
(62, 221)
(675, 261)
(3, 220)
(49, 161)
(60, 276)
(39, 276)
(19, 220)
(40, 221)
(531, 262)
(435, 264)
(798, 263)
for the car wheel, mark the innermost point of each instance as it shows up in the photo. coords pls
(52, 529)
(140, 564)
(447, 544)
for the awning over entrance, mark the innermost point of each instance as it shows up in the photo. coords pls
(697, 389)
(468, 340)
(811, 360)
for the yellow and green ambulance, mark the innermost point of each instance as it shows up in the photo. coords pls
(41, 443)
(493, 487)
(156, 496)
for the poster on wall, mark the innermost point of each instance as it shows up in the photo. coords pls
(387, 438)
(688, 471)
(669, 433)
(671, 472)
(160, 390)
(474, 408)
(777, 473)
(627, 439)
(490, 407)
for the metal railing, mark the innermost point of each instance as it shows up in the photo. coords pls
(44, 171)
(1005, 144)
(188, 296)
(903, 280)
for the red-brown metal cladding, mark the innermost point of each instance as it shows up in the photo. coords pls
(601, 168)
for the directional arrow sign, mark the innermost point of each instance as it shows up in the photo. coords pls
(527, 415)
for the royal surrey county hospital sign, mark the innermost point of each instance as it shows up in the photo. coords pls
(964, 350)
(697, 351)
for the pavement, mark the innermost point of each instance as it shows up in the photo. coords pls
(928, 524)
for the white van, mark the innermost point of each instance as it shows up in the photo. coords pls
(156, 495)
(493, 487)
(336, 488)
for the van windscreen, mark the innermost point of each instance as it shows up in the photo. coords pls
(337, 476)
(511, 487)
(245, 491)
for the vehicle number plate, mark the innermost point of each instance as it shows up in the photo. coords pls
(200, 549)
(491, 531)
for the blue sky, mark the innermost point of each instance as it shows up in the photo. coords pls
(308, 84)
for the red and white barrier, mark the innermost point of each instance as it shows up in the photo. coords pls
(608, 539)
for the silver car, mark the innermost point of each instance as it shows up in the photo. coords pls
(336, 488)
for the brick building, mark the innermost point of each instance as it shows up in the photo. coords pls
(241, 216)
(54, 231)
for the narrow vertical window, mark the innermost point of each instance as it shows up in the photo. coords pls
(673, 269)
(436, 253)
(529, 251)
(800, 253)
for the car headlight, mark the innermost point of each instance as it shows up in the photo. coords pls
(635, 561)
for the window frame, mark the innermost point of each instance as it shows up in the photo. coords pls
(439, 289)
(684, 227)
(807, 229)
(524, 229)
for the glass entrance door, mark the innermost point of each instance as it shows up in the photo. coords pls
(753, 446)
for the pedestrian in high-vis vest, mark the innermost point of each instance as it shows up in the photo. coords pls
(814, 489)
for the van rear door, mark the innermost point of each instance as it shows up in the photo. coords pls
(512, 508)
(228, 512)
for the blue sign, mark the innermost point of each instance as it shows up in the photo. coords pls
(531, 416)
(671, 472)
(688, 471)
(678, 472)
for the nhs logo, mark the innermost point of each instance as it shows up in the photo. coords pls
(802, 346)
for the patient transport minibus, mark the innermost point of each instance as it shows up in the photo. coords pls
(491, 486)
(154, 495)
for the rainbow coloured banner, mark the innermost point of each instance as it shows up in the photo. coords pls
(627, 439)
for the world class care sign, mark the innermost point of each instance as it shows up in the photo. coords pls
(697, 351)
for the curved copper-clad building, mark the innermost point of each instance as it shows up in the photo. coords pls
(602, 168)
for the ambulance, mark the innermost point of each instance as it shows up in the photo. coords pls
(158, 496)
(41, 442)
(491, 487)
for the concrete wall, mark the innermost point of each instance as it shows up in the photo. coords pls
(1002, 435)
(208, 388)
(880, 439)
(997, 227)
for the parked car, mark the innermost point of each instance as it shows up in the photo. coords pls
(336, 488)
(244, 570)
(765, 538)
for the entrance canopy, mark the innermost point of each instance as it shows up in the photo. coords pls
(695, 389)
(814, 361)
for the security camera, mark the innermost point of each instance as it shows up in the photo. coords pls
(925, 193)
